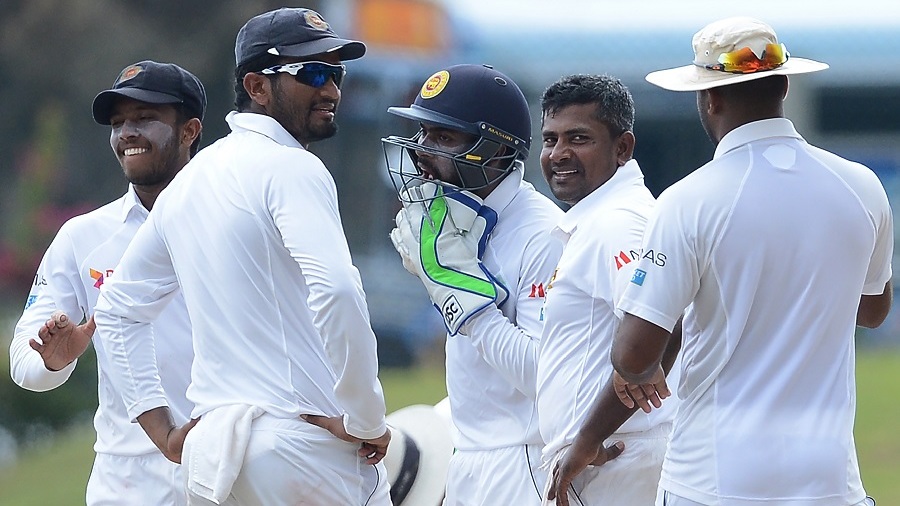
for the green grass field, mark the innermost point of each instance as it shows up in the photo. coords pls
(57, 474)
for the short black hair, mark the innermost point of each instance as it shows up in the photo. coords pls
(615, 107)
(264, 61)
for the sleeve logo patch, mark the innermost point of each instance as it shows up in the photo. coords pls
(30, 301)
(639, 277)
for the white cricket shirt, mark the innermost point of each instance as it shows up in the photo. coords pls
(491, 368)
(250, 231)
(602, 243)
(77, 263)
(773, 242)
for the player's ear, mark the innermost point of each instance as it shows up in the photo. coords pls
(624, 144)
(258, 87)
(190, 131)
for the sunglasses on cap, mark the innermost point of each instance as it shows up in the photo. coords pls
(311, 73)
(745, 61)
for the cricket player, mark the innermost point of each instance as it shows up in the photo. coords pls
(477, 236)
(284, 379)
(155, 112)
(586, 156)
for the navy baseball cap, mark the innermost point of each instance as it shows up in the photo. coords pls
(154, 83)
(293, 32)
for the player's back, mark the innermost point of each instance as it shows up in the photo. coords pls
(768, 347)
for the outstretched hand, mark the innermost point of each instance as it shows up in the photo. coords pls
(577, 457)
(373, 450)
(647, 396)
(61, 342)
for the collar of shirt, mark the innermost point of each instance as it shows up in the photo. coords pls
(754, 131)
(261, 124)
(627, 175)
(132, 204)
(506, 190)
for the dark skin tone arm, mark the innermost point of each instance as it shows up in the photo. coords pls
(873, 309)
(608, 413)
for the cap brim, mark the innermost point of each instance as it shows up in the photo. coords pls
(431, 434)
(694, 78)
(103, 102)
(346, 49)
(417, 113)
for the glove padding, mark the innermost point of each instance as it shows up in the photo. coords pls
(441, 239)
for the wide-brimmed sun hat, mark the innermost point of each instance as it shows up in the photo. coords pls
(731, 51)
(418, 457)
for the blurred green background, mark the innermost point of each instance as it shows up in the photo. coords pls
(55, 162)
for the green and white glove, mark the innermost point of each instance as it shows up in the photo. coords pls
(440, 239)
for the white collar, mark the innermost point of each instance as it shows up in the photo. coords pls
(261, 124)
(754, 131)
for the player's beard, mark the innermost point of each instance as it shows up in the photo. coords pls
(297, 119)
(162, 170)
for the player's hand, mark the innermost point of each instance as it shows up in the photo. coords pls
(61, 341)
(647, 396)
(578, 456)
(373, 450)
(175, 441)
(161, 429)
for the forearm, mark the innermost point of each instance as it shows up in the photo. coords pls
(605, 417)
(505, 347)
(27, 369)
(342, 320)
(157, 423)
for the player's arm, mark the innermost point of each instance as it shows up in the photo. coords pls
(873, 309)
(143, 285)
(607, 415)
(512, 348)
(304, 209)
(35, 364)
(877, 293)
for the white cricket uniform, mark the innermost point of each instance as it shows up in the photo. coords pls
(772, 242)
(492, 363)
(128, 468)
(250, 231)
(602, 237)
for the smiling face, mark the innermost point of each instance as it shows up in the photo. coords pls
(145, 138)
(579, 152)
(307, 113)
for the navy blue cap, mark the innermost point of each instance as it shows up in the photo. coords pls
(293, 32)
(475, 99)
(154, 83)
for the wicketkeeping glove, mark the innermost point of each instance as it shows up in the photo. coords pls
(441, 239)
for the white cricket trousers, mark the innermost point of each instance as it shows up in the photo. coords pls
(502, 476)
(631, 479)
(144, 479)
(664, 498)
(290, 462)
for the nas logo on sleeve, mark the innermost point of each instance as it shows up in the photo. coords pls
(623, 258)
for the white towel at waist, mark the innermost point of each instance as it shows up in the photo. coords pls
(215, 450)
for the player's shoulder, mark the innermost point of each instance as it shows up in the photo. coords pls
(97, 219)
